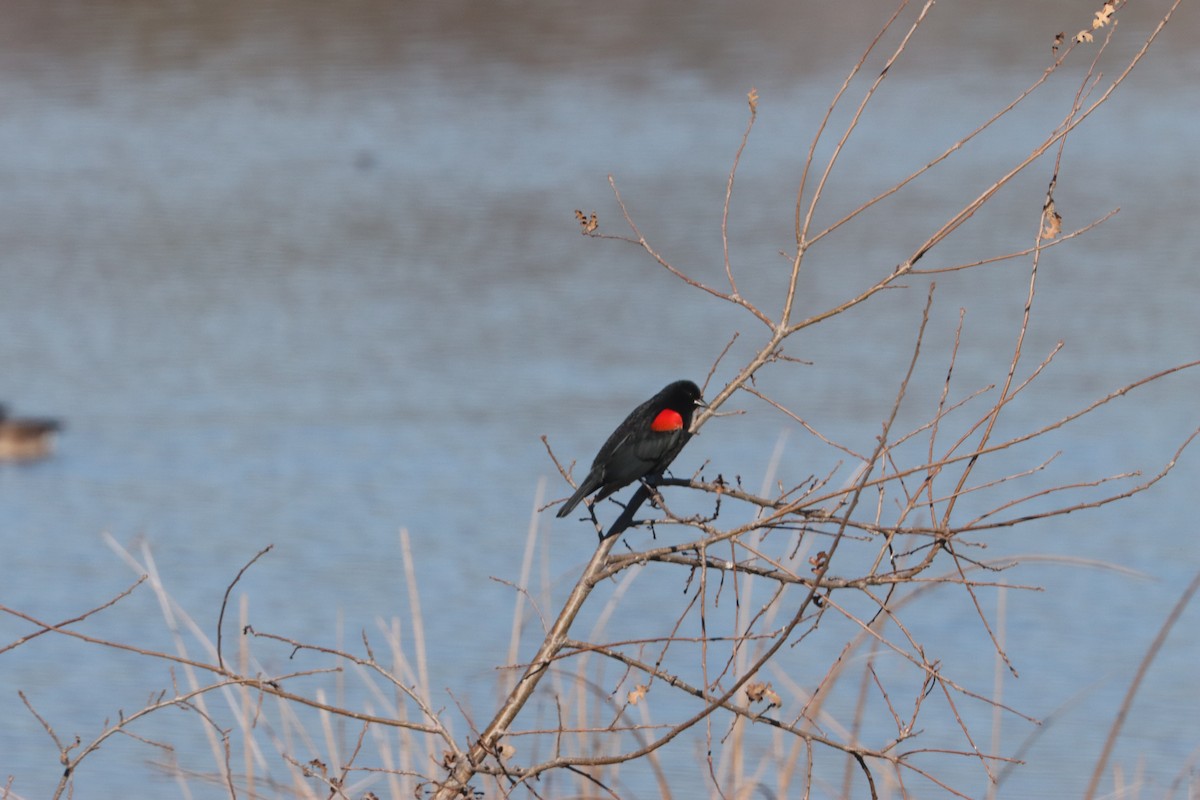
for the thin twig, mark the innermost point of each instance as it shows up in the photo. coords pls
(225, 599)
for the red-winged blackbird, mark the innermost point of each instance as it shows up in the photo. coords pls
(642, 446)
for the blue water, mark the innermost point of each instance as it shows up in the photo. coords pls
(318, 280)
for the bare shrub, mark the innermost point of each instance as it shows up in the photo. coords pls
(810, 579)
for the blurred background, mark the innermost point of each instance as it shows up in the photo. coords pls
(305, 273)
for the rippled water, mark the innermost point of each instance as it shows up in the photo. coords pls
(302, 277)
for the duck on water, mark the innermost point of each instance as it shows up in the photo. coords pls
(26, 438)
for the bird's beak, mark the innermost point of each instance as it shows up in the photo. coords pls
(699, 404)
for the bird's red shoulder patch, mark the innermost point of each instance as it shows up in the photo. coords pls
(667, 420)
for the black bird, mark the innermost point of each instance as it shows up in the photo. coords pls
(642, 446)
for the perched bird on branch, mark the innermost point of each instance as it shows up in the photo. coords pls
(642, 446)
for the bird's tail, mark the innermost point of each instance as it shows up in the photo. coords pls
(583, 491)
